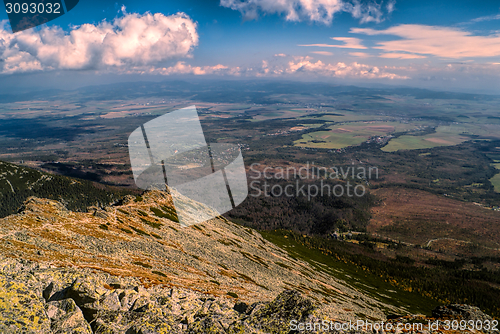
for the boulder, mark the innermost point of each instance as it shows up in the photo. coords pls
(66, 317)
(460, 311)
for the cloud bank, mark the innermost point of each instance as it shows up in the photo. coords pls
(298, 67)
(183, 68)
(340, 69)
(319, 11)
(306, 66)
(131, 41)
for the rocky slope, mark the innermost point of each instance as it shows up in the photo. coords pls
(40, 299)
(37, 298)
(131, 268)
(217, 258)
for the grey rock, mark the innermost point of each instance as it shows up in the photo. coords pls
(127, 299)
(85, 293)
(274, 317)
(66, 317)
(142, 303)
(110, 302)
(459, 311)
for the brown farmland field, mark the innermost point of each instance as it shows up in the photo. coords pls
(425, 219)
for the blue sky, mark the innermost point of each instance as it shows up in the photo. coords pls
(451, 45)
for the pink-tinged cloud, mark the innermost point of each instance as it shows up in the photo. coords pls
(349, 43)
(132, 40)
(320, 11)
(322, 53)
(441, 42)
(401, 56)
(360, 54)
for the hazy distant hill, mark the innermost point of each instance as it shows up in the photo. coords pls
(233, 91)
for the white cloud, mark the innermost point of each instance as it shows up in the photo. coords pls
(438, 41)
(321, 11)
(130, 41)
(370, 12)
(391, 6)
(486, 18)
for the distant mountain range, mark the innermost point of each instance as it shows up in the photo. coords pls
(234, 91)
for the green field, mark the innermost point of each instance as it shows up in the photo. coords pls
(444, 136)
(351, 134)
(329, 140)
(495, 180)
(448, 135)
(346, 116)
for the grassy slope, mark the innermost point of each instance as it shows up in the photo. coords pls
(396, 281)
(355, 276)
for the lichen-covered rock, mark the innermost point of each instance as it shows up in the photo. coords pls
(155, 325)
(21, 309)
(275, 317)
(206, 325)
(40, 298)
(70, 300)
